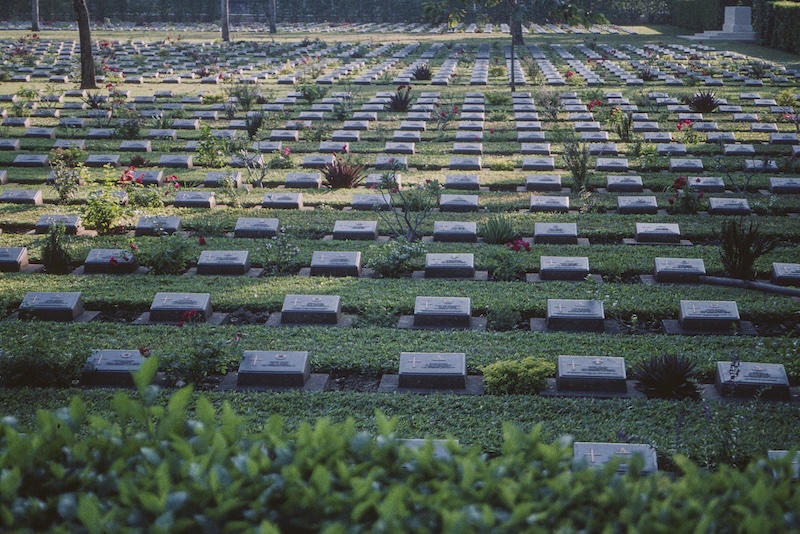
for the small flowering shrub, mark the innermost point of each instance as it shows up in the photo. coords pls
(205, 358)
(169, 254)
(622, 124)
(278, 255)
(68, 172)
(342, 173)
(55, 251)
(311, 92)
(400, 100)
(444, 114)
(577, 161)
(686, 132)
(507, 264)
(685, 199)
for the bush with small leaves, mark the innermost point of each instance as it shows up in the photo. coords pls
(517, 377)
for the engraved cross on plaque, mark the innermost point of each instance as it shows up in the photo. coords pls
(591, 454)
(413, 361)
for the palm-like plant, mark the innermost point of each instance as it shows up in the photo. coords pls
(401, 100)
(667, 377)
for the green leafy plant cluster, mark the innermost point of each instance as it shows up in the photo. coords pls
(422, 72)
(55, 251)
(498, 229)
(395, 257)
(205, 357)
(517, 377)
(311, 92)
(197, 467)
(169, 254)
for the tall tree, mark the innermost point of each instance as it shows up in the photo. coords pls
(225, 11)
(85, 38)
(272, 13)
(34, 15)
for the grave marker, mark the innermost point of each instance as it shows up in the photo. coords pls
(591, 373)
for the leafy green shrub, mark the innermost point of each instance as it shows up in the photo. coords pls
(246, 94)
(498, 229)
(196, 464)
(55, 253)
(422, 72)
(102, 211)
(503, 319)
(498, 99)
(169, 254)
(668, 376)
(517, 377)
(497, 70)
(129, 123)
(205, 358)
(145, 196)
(400, 100)
(576, 159)
(211, 150)
(342, 173)
(702, 102)
(622, 124)
(394, 258)
(34, 363)
(507, 265)
(414, 204)
(741, 243)
(278, 255)
(311, 92)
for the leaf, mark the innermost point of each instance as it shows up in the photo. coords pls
(146, 373)
(89, 513)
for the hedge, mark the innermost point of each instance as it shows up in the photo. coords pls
(777, 24)
(172, 469)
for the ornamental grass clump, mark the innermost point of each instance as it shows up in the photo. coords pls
(422, 72)
(498, 229)
(702, 102)
(400, 100)
(667, 376)
(342, 173)
(741, 243)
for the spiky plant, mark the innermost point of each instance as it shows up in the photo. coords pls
(741, 243)
(498, 229)
(703, 102)
(667, 376)
(400, 100)
(422, 72)
(342, 174)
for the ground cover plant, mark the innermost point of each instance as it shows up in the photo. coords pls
(728, 437)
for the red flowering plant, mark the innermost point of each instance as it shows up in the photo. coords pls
(685, 199)
(199, 360)
(791, 118)
(443, 114)
(687, 133)
(519, 245)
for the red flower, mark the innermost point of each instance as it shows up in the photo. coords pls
(177, 185)
(679, 183)
(132, 246)
(144, 351)
(569, 74)
(201, 241)
(180, 324)
(671, 201)
(113, 261)
(700, 194)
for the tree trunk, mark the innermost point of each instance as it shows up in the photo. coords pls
(85, 37)
(515, 15)
(272, 11)
(34, 15)
(225, 12)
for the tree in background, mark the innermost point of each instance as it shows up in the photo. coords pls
(516, 12)
(225, 12)
(85, 38)
(34, 15)
(272, 12)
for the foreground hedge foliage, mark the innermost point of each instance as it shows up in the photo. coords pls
(165, 469)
